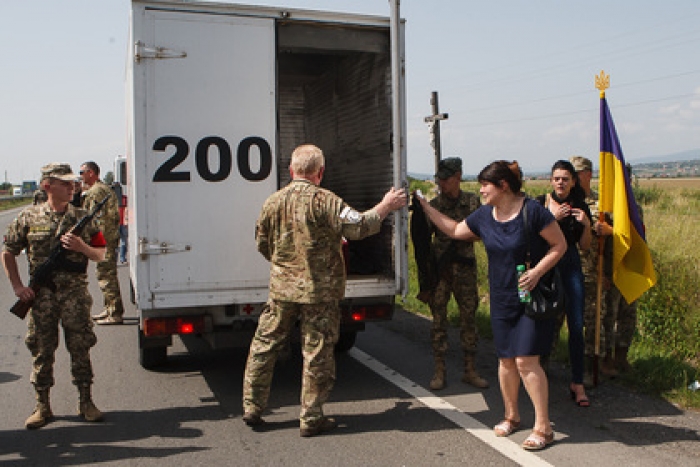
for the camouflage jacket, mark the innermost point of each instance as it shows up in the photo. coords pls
(38, 229)
(300, 231)
(457, 209)
(108, 218)
(589, 257)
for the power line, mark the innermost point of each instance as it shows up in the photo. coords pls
(575, 61)
(583, 93)
(565, 114)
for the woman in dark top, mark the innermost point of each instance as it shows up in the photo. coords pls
(567, 203)
(518, 339)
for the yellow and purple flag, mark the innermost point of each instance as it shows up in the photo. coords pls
(633, 271)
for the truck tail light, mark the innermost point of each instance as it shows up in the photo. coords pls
(167, 326)
(358, 315)
(372, 312)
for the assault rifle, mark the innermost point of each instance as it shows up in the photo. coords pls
(42, 276)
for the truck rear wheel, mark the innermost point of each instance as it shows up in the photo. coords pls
(346, 341)
(152, 354)
(153, 357)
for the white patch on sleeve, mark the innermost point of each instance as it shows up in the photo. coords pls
(350, 216)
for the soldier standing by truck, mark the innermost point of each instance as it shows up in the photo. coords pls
(113, 310)
(38, 229)
(300, 231)
(456, 275)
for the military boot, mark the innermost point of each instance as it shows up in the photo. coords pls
(438, 381)
(470, 374)
(42, 413)
(621, 362)
(86, 408)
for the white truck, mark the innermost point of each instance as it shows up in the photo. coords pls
(218, 96)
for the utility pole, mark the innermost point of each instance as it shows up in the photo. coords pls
(433, 122)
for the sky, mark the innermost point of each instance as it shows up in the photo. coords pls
(516, 78)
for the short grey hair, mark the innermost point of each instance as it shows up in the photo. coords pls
(307, 159)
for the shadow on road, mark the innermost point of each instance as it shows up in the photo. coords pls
(92, 443)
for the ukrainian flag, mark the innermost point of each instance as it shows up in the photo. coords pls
(633, 272)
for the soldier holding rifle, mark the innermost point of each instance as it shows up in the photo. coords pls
(62, 294)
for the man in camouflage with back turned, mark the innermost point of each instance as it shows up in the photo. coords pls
(456, 270)
(108, 220)
(300, 231)
(39, 229)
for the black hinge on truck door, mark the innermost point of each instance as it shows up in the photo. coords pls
(142, 52)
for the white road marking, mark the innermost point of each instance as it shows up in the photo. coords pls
(505, 446)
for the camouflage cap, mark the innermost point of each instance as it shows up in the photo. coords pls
(448, 167)
(58, 170)
(581, 163)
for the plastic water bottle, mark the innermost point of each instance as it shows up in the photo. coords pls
(523, 294)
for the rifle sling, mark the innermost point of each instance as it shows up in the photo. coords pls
(463, 260)
(449, 257)
(66, 265)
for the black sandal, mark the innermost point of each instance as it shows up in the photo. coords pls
(583, 402)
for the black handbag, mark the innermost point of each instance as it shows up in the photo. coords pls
(547, 298)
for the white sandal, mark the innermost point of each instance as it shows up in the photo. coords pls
(506, 427)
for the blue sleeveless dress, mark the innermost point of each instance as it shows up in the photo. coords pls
(514, 333)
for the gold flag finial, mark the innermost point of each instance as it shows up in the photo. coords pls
(602, 82)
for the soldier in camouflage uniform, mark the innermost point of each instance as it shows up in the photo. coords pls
(456, 270)
(113, 310)
(589, 264)
(38, 229)
(300, 230)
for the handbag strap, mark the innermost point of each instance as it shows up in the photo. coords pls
(527, 234)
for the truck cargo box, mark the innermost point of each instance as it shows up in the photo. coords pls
(219, 96)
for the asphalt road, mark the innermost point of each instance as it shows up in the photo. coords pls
(188, 413)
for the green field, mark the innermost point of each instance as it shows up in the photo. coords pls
(666, 351)
(9, 203)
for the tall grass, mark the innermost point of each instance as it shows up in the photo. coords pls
(665, 353)
(667, 345)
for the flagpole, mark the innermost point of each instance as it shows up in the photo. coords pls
(602, 82)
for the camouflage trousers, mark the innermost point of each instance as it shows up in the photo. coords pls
(109, 282)
(622, 319)
(458, 280)
(320, 327)
(71, 307)
(589, 318)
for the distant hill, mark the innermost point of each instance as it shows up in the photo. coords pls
(667, 169)
(676, 157)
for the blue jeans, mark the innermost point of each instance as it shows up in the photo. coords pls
(572, 276)
(123, 241)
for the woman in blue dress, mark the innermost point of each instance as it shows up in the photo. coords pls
(519, 340)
